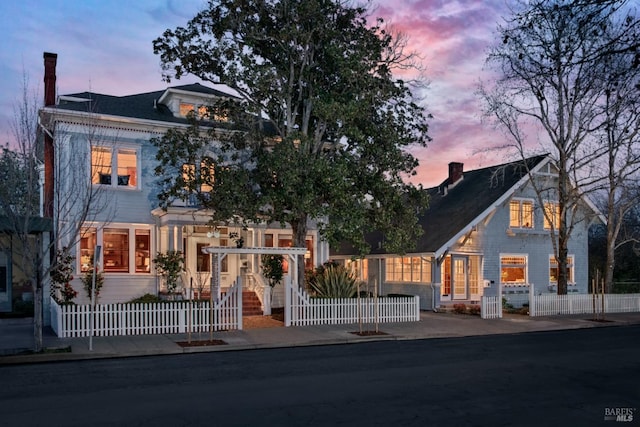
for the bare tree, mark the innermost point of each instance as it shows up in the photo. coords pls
(550, 59)
(619, 136)
(31, 230)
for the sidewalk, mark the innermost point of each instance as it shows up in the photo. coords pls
(16, 336)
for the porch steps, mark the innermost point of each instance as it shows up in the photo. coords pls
(447, 306)
(251, 305)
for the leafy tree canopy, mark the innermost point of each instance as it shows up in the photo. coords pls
(326, 126)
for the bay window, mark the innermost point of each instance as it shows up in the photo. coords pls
(126, 249)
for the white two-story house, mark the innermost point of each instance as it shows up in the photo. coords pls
(107, 139)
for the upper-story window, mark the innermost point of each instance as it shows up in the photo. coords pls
(203, 112)
(521, 213)
(551, 215)
(203, 175)
(117, 167)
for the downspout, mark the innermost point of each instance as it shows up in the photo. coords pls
(433, 298)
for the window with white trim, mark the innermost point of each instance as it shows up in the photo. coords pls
(114, 166)
(203, 112)
(521, 213)
(551, 215)
(553, 269)
(126, 248)
(359, 268)
(408, 269)
(513, 269)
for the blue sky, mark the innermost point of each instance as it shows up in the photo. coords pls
(106, 47)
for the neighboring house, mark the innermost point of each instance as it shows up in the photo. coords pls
(115, 133)
(483, 228)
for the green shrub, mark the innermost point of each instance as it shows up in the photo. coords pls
(87, 281)
(335, 281)
(170, 265)
(145, 299)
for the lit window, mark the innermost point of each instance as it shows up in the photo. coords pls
(446, 276)
(551, 215)
(513, 269)
(101, 165)
(204, 176)
(88, 243)
(127, 165)
(359, 268)
(408, 269)
(104, 161)
(203, 260)
(143, 244)
(521, 214)
(186, 108)
(203, 112)
(553, 269)
(116, 250)
(474, 273)
(125, 249)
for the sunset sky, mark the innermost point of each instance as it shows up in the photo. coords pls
(106, 47)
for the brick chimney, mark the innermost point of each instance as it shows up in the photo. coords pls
(455, 172)
(50, 61)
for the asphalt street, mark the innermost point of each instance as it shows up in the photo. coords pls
(542, 378)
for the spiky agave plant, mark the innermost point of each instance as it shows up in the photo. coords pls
(334, 282)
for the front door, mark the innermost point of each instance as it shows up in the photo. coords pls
(459, 276)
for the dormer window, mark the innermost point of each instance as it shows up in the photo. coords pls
(203, 112)
(186, 108)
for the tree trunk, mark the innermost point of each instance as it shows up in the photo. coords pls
(37, 314)
(611, 260)
(563, 231)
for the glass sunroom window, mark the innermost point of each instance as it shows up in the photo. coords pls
(408, 269)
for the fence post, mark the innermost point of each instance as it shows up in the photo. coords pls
(287, 301)
(532, 300)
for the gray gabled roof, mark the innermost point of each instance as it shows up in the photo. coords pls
(456, 208)
(148, 106)
(138, 106)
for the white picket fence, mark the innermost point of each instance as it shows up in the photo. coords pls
(551, 305)
(305, 310)
(491, 307)
(150, 318)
